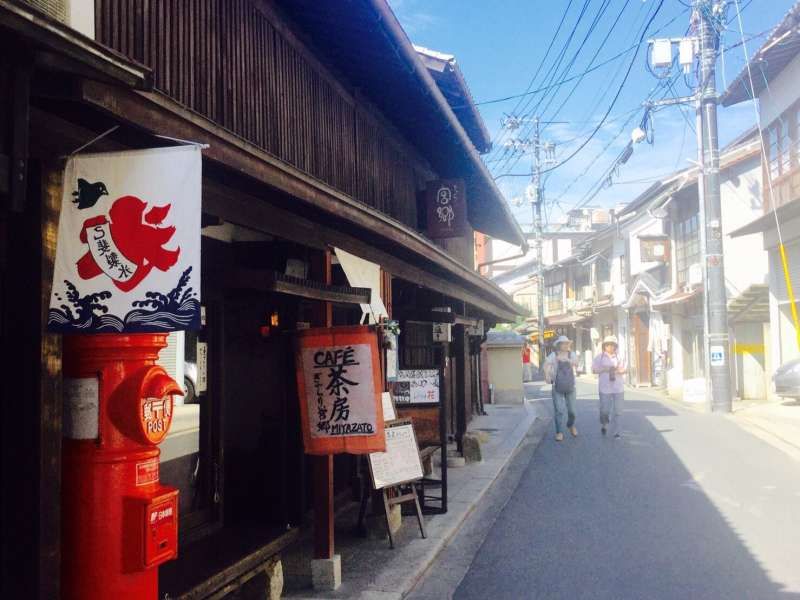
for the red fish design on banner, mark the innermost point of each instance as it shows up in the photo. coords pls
(128, 253)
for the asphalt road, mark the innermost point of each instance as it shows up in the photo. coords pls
(685, 505)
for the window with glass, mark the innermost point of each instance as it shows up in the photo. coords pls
(186, 457)
(554, 297)
(687, 237)
(582, 283)
(602, 269)
(779, 141)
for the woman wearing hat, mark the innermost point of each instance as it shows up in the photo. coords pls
(609, 367)
(559, 369)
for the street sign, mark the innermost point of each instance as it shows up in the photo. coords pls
(717, 356)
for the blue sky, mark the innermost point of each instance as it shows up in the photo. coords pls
(500, 45)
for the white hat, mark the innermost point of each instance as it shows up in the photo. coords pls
(562, 340)
(611, 339)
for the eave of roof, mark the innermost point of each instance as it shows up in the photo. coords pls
(782, 45)
(59, 47)
(366, 43)
(785, 212)
(404, 250)
(448, 76)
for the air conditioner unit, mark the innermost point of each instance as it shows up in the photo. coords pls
(695, 275)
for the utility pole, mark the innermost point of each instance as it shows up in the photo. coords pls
(543, 154)
(715, 293)
(715, 297)
(536, 205)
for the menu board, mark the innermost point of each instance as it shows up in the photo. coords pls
(416, 386)
(400, 463)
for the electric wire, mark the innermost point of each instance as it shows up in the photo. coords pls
(552, 70)
(601, 11)
(616, 95)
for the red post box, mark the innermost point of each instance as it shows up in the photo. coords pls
(118, 522)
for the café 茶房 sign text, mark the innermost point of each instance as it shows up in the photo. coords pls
(338, 380)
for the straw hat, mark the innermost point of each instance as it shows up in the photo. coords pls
(611, 339)
(562, 340)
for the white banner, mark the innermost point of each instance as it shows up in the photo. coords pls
(363, 273)
(128, 253)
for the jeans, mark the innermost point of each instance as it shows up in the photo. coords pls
(611, 411)
(564, 405)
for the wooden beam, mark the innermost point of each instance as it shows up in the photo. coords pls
(259, 279)
(244, 209)
(156, 112)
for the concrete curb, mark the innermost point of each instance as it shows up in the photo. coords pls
(488, 513)
(412, 559)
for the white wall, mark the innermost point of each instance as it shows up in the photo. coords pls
(81, 16)
(746, 262)
(781, 94)
(564, 249)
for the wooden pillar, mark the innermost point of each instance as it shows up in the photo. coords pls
(322, 466)
(463, 396)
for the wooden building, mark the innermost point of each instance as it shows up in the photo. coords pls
(324, 129)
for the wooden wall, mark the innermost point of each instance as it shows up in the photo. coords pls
(236, 63)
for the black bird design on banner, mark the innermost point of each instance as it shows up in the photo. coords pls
(88, 194)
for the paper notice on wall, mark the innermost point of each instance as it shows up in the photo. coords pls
(202, 367)
(81, 407)
(388, 407)
(416, 386)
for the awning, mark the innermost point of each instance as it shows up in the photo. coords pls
(562, 320)
(765, 222)
(752, 305)
(676, 297)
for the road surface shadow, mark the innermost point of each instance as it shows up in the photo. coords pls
(601, 518)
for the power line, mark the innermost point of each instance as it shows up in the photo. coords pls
(547, 53)
(551, 74)
(616, 96)
(596, 20)
(618, 92)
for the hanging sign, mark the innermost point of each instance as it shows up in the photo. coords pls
(339, 386)
(128, 250)
(446, 209)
